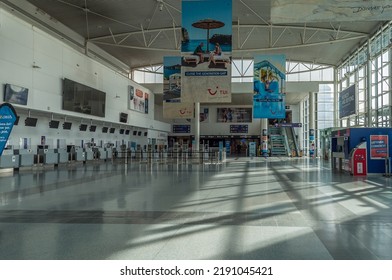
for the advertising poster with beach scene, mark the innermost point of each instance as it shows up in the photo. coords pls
(206, 50)
(173, 108)
(269, 87)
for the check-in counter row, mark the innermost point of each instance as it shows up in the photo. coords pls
(27, 157)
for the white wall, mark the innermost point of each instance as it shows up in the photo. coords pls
(23, 46)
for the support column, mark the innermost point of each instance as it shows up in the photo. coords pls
(312, 132)
(368, 102)
(336, 121)
(197, 126)
(264, 137)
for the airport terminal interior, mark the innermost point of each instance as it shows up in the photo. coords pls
(98, 163)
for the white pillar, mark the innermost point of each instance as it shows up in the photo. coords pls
(369, 108)
(264, 137)
(197, 126)
(312, 131)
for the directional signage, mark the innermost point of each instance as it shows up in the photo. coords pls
(7, 120)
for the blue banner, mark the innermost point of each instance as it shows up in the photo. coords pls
(269, 88)
(347, 102)
(7, 120)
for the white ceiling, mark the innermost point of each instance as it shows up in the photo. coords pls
(139, 33)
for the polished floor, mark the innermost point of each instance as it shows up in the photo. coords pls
(279, 208)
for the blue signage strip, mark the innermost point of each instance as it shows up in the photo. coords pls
(7, 120)
(347, 102)
(181, 128)
(288, 125)
(239, 128)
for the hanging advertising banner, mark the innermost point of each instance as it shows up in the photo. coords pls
(136, 100)
(206, 50)
(146, 102)
(379, 146)
(347, 102)
(304, 11)
(234, 115)
(173, 107)
(7, 120)
(269, 98)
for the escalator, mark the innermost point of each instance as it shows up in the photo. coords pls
(291, 141)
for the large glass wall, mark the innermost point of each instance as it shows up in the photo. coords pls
(369, 68)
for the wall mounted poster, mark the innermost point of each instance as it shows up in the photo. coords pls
(269, 87)
(206, 50)
(234, 115)
(173, 107)
(7, 119)
(136, 100)
(379, 146)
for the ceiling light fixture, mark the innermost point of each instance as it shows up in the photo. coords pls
(160, 5)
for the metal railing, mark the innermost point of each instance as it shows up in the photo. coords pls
(167, 157)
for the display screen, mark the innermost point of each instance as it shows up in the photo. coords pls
(112, 130)
(83, 127)
(93, 128)
(15, 94)
(67, 125)
(123, 117)
(145, 133)
(139, 133)
(135, 132)
(105, 129)
(54, 124)
(122, 130)
(30, 121)
(83, 99)
(127, 131)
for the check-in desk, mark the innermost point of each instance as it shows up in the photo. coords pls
(79, 154)
(9, 160)
(26, 157)
(100, 153)
(89, 154)
(109, 153)
(47, 156)
(62, 155)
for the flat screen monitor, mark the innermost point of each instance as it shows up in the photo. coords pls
(139, 133)
(105, 129)
(30, 121)
(83, 127)
(54, 124)
(15, 94)
(93, 128)
(123, 117)
(83, 99)
(17, 120)
(145, 133)
(67, 125)
(127, 132)
(135, 132)
(122, 130)
(112, 130)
